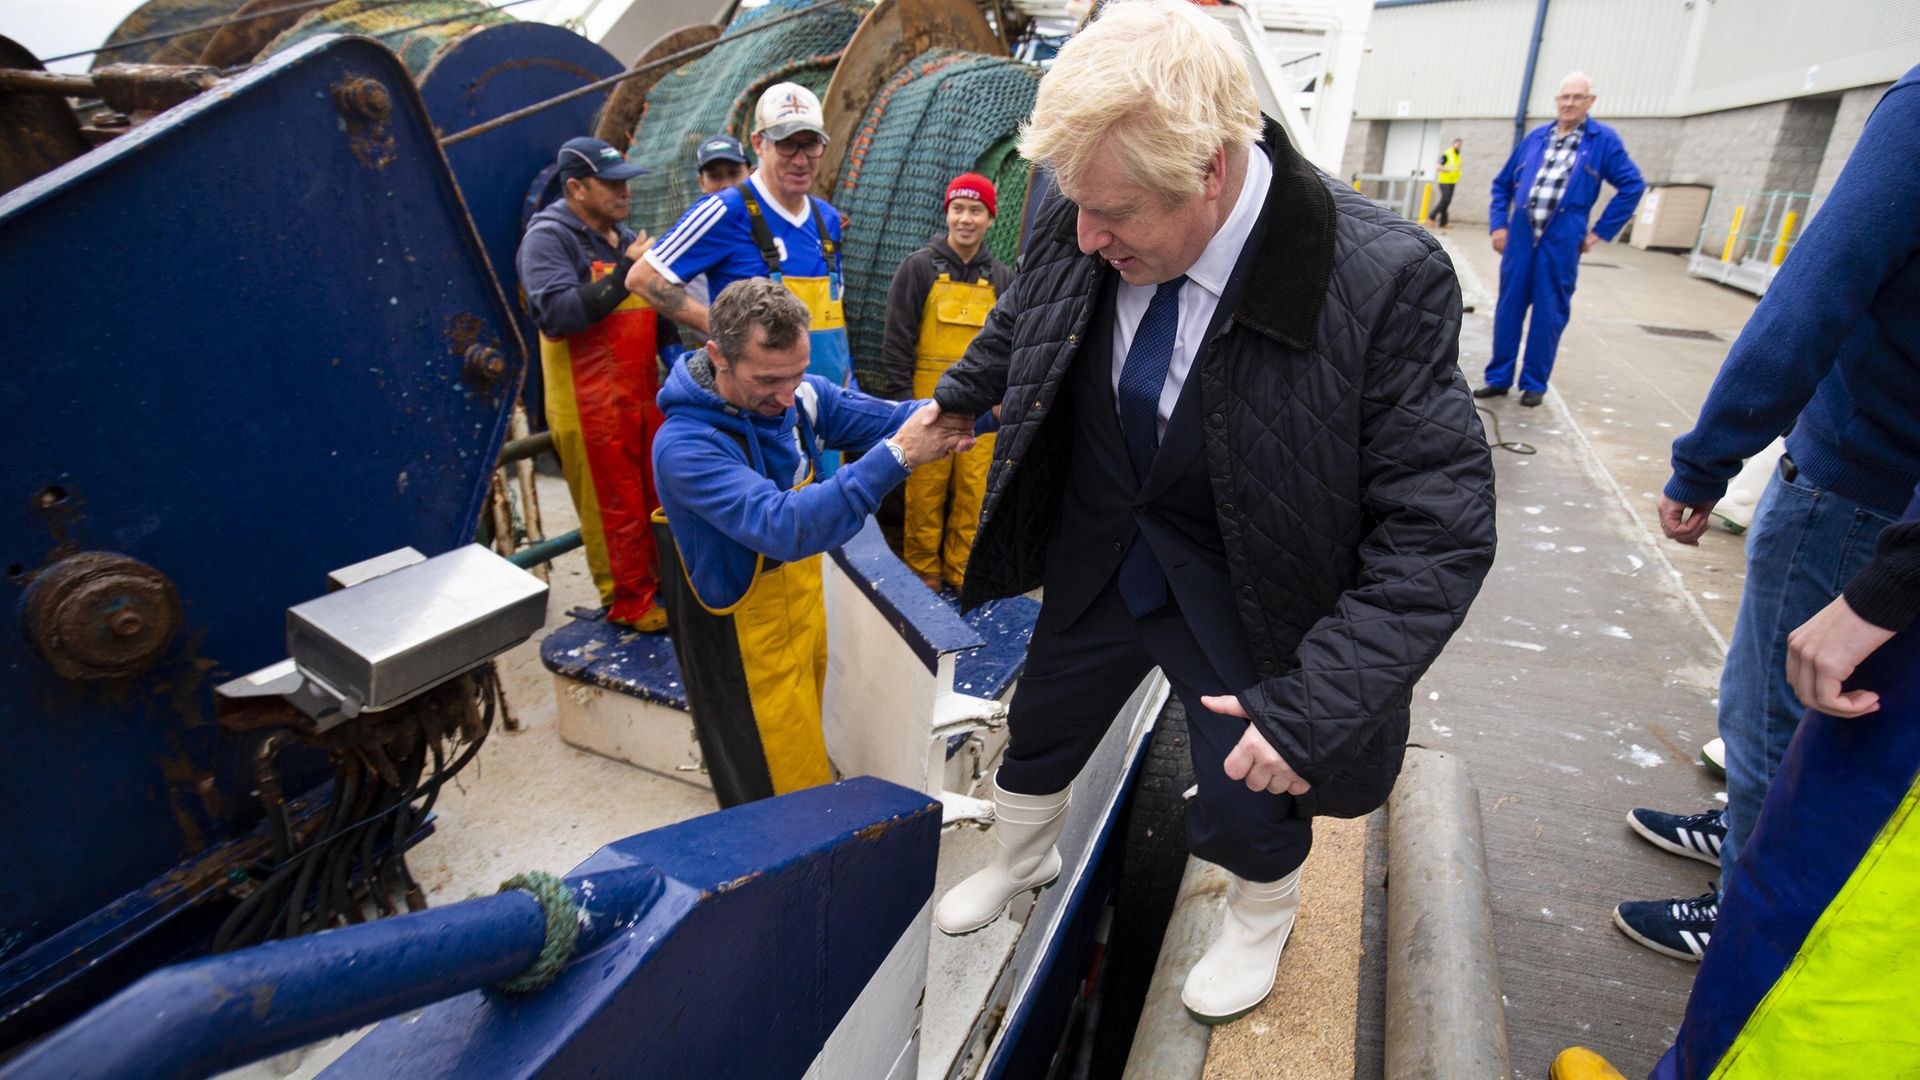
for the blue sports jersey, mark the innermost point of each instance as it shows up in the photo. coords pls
(715, 238)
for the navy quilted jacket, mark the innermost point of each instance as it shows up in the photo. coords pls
(1352, 482)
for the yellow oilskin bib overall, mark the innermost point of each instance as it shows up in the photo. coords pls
(600, 387)
(755, 670)
(943, 497)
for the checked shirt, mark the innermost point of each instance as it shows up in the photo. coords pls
(1550, 184)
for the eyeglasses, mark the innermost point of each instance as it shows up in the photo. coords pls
(1572, 99)
(813, 148)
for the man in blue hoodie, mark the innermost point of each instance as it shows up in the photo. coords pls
(744, 518)
(1834, 351)
(1538, 218)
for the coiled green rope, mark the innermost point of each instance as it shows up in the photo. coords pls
(563, 929)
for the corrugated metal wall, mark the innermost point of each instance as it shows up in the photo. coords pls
(1466, 58)
(1633, 49)
(1763, 50)
(1459, 58)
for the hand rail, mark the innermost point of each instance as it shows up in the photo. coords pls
(207, 1016)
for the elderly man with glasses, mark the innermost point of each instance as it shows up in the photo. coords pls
(1542, 199)
(765, 226)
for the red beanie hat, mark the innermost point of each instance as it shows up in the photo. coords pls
(971, 186)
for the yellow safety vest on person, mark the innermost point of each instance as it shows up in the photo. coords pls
(1449, 166)
(830, 356)
(756, 666)
(600, 387)
(943, 497)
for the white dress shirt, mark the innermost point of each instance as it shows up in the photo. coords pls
(1206, 280)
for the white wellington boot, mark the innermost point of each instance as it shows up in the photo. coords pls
(1236, 972)
(1025, 827)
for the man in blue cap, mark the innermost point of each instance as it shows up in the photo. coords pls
(719, 163)
(597, 344)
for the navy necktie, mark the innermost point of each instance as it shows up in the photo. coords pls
(1143, 586)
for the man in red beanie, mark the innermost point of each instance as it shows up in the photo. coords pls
(939, 300)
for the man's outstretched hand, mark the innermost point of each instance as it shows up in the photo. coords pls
(1253, 759)
(929, 435)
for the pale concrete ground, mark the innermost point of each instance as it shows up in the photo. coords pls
(1586, 677)
(1632, 393)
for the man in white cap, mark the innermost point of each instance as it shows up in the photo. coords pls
(765, 226)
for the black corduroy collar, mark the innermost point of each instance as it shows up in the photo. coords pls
(1296, 233)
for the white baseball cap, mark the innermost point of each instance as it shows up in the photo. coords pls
(787, 109)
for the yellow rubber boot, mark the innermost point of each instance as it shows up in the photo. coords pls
(1580, 1063)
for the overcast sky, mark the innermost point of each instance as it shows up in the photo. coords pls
(52, 27)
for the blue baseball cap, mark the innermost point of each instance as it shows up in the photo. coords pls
(588, 156)
(721, 147)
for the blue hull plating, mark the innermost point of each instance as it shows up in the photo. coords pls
(235, 410)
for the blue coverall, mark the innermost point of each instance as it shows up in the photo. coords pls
(1540, 271)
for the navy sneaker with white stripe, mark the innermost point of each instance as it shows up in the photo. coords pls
(1679, 928)
(1697, 836)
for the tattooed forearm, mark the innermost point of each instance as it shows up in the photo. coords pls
(668, 299)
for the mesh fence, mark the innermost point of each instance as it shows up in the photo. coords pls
(395, 25)
(945, 113)
(717, 92)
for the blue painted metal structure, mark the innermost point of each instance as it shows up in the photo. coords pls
(812, 890)
(1037, 1020)
(616, 658)
(774, 917)
(276, 388)
(486, 73)
(271, 385)
(206, 1016)
(991, 640)
(1526, 80)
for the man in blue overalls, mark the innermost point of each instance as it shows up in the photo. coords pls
(1542, 198)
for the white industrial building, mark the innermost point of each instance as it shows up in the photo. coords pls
(1743, 96)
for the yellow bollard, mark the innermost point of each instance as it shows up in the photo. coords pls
(1426, 199)
(1782, 242)
(1733, 234)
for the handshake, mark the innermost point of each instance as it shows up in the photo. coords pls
(929, 435)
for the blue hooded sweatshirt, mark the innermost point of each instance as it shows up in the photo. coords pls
(734, 484)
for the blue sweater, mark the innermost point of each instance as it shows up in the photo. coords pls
(1836, 340)
(731, 482)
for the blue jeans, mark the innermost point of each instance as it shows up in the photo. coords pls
(1804, 546)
